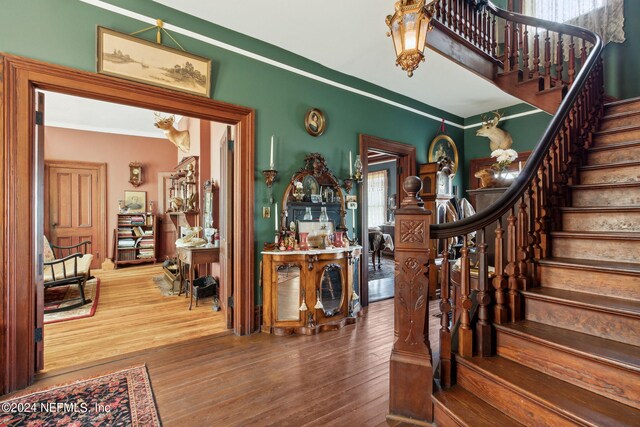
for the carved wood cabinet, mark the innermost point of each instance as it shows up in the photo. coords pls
(307, 292)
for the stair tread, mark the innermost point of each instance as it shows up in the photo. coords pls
(614, 145)
(610, 165)
(622, 102)
(621, 114)
(613, 235)
(605, 185)
(611, 266)
(590, 346)
(607, 209)
(469, 409)
(566, 399)
(583, 299)
(617, 130)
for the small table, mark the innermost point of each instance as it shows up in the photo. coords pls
(193, 257)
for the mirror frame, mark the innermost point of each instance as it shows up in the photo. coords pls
(339, 269)
(314, 165)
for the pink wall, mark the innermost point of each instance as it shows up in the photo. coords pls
(117, 151)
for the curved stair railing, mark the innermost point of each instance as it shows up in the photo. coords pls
(524, 215)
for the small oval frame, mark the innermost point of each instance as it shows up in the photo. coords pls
(315, 122)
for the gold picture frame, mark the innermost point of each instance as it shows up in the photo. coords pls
(135, 201)
(443, 145)
(314, 122)
(128, 57)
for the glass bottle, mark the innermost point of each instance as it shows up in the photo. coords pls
(323, 214)
(307, 215)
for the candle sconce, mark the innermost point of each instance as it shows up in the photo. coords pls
(269, 179)
(348, 184)
(358, 165)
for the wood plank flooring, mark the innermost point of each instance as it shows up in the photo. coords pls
(335, 378)
(131, 315)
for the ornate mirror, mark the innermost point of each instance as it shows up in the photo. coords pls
(331, 290)
(288, 292)
(311, 189)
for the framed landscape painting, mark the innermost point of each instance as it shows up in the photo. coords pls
(122, 55)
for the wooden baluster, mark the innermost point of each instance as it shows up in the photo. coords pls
(572, 62)
(507, 47)
(499, 283)
(531, 239)
(476, 23)
(546, 206)
(494, 36)
(523, 244)
(445, 330)
(465, 19)
(483, 326)
(438, 8)
(583, 52)
(539, 223)
(449, 9)
(525, 54)
(536, 54)
(465, 334)
(547, 60)
(512, 268)
(515, 46)
(559, 60)
(458, 14)
(445, 17)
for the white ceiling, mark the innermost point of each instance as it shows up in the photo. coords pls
(350, 37)
(73, 112)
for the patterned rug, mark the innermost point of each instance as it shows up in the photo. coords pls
(387, 270)
(91, 292)
(122, 398)
(167, 289)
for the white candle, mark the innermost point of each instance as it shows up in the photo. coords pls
(350, 166)
(276, 217)
(520, 166)
(271, 156)
(353, 220)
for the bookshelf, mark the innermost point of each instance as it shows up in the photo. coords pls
(135, 239)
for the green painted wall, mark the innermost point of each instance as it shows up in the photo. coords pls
(622, 60)
(525, 131)
(64, 32)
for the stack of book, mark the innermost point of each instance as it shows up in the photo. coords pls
(146, 242)
(138, 220)
(146, 253)
(126, 243)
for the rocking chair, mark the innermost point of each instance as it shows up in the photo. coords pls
(66, 265)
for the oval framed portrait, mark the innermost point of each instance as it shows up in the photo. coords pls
(443, 145)
(314, 122)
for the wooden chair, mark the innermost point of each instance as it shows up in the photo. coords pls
(67, 265)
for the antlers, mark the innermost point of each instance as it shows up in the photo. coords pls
(497, 115)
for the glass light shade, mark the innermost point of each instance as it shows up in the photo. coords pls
(408, 28)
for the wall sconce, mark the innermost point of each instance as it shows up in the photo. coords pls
(269, 178)
(135, 174)
(348, 184)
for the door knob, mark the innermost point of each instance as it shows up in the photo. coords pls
(54, 225)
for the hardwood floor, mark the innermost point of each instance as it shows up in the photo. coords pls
(334, 378)
(132, 315)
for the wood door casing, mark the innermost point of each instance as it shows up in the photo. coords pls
(75, 200)
(226, 223)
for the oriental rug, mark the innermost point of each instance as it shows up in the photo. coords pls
(122, 398)
(91, 292)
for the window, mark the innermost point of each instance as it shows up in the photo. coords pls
(563, 10)
(377, 192)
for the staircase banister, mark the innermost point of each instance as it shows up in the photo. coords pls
(515, 191)
(558, 27)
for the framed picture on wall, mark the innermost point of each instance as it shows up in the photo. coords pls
(135, 201)
(443, 146)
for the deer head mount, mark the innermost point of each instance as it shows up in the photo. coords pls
(498, 138)
(179, 138)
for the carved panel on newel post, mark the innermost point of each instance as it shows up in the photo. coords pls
(411, 370)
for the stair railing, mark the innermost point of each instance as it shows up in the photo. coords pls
(524, 215)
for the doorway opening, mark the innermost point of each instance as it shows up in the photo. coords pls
(22, 169)
(114, 180)
(386, 164)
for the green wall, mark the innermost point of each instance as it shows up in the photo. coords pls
(622, 60)
(64, 32)
(525, 132)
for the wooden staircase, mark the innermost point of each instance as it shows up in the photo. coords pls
(575, 357)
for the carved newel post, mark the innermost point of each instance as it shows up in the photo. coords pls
(411, 370)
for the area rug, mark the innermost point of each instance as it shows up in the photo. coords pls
(387, 270)
(122, 398)
(165, 286)
(91, 292)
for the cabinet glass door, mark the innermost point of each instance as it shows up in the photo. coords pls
(288, 292)
(331, 289)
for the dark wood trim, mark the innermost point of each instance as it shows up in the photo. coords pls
(407, 156)
(20, 78)
(102, 187)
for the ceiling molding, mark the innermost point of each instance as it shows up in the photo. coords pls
(217, 43)
(115, 131)
(513, 116)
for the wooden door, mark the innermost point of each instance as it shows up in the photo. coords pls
(38, 228)
(226, 224)
(75, 210)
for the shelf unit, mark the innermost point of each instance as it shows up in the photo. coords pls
(135, 239)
